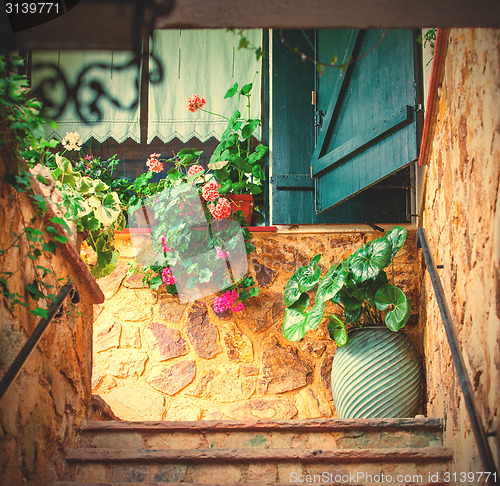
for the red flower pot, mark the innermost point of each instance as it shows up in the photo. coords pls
(243, 202)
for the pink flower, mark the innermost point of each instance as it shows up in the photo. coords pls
(88, 157)
(87, 167)
(210, 191)
(227, 301)
(221, 253)
(154, 164)
(195, 102)
(194, 169)
(165, 246)
(167, 276)
(221, 210)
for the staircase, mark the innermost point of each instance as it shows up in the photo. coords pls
(315, 451)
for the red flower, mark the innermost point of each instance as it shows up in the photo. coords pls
(154, 164)
(221, 210)
(210, 191)
(195, 102)
(194, 169)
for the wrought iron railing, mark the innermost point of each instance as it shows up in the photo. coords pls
(32, 342)
(456, 352)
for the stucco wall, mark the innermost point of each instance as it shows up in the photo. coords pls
(41, 411)
(461, 215)
(157, 359)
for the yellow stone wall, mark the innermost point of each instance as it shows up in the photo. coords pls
(157, 359)
(41, 412)
(461, 214)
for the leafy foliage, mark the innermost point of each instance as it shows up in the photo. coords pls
(358, 285)
(21, 139)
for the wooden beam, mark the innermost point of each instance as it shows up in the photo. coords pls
(106, 25)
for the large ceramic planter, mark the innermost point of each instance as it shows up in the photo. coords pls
(243, 202)
(377, 375)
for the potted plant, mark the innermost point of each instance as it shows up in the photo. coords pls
(237, 163)
(192, 237)
(375, 371)
(95, 210)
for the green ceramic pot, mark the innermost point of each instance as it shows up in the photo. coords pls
(377, 375)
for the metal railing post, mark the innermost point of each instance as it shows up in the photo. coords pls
(35, 337)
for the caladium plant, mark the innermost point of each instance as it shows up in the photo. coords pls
(358, 285)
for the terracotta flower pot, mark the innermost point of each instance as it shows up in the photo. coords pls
(243, 202)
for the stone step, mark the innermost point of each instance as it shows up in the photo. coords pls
(236, 434)
(240, 466)
(87, 483)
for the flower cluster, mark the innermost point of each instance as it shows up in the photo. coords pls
(227, 301)
(167, 277)
(72, 141)
(221, 253)
(221, 210)
(195, 102)
(154, 164)
(210, 191)
(194, 169)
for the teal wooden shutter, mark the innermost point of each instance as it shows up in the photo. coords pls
(369, 131)
(292, 133)
(354, 169)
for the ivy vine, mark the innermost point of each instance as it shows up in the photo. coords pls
(22, 143)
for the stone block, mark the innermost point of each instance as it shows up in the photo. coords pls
(173, 379)
(282, 369)
(132, 402)
(202, 334)
(167, 342)
(238, 346)
(107, 337)
(169, 308)
(260, 408)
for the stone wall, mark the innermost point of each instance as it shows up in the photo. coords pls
(157, 359)
(41, 412)
(461, 215)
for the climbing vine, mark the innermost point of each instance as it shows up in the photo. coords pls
(22, 143)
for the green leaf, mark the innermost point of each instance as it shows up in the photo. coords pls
(301, 303)
(34, 290)
(294, 325)
(393, 299)
(309, 275)
(50, 247)
(338, 331)
(231, 92)
(39, 312)
(370, 259)
(246, 89)
(249, 128)
(396, 237)
(61, 222)
(155, 282)
(292, 292)
(315, 315)
(332, 282)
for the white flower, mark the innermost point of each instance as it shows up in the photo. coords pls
(72, 141)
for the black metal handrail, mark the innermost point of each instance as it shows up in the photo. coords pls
(463, 377)
(37, 334)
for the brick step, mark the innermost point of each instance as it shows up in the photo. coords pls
(240, 466)
(235, 434)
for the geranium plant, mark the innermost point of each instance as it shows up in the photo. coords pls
(191, 239)
(237, 163)
(359, 287)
